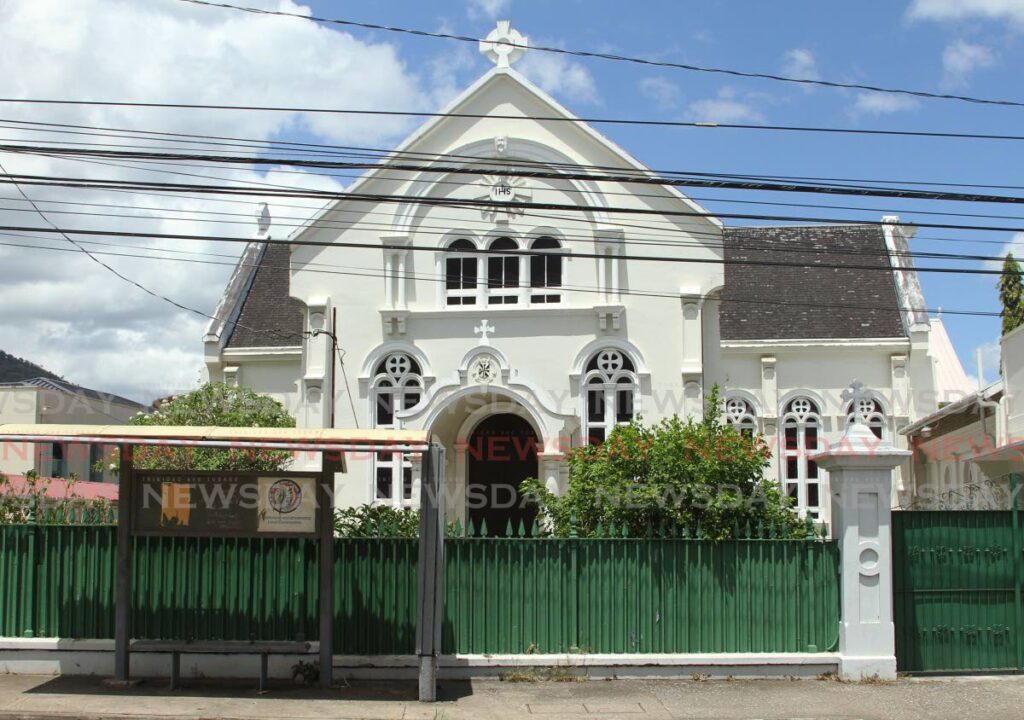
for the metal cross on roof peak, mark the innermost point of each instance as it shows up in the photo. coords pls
(504, 45)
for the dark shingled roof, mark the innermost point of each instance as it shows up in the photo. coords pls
(751, 309)
(269, 316)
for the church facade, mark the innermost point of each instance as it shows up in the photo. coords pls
(516, 315)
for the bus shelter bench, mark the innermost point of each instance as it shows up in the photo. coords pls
(220, 647)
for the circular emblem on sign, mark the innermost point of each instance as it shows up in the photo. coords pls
(285, 496)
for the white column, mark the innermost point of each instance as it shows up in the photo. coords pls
(401, 279)
(860, 477)
(601, 292)
(389, 275)
(551, 471)
(481, 280)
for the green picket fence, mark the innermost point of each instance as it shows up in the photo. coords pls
(502, 595)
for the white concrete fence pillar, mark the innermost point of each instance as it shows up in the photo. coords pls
(860, 470)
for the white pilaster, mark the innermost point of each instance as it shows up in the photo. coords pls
(551, 471)
(402, 259)
(389, 279)
(860, 470)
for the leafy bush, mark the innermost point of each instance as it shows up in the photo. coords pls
(216, 404)
(376, 521)
(693, 474)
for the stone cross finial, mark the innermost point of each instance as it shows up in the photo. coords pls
(483, 329)
(861, 402)
(504, 45)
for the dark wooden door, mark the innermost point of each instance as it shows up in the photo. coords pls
(502, 452)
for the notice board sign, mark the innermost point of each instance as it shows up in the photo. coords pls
(212, 504)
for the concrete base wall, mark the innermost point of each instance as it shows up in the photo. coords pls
(47, 656)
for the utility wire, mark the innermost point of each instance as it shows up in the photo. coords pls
(357, 271)
(619, 58)
(105, 184)
(882, 267)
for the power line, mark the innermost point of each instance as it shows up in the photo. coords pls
(381, 154)
(352, 271)
(481, 252)
(104, 184)
(620, 58)
(108, 267)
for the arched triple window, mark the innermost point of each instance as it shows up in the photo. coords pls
(801, 432)
(545, 271)
(740, 415)
(610, 386)
(460, 273)
(397, 385)
(503, 273)
(871, 410)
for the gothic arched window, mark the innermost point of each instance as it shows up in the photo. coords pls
(801, 431)
(503, 273)
(740, 415)
(871, 410)
(545, 271)
(397, 385)
(610, 386)
(460, 270)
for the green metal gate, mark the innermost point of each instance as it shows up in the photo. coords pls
(957, 578)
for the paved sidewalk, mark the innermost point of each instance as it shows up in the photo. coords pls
(37, 697)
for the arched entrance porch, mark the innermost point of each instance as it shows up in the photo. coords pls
(494, 441)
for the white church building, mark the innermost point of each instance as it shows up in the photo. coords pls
(514, 334)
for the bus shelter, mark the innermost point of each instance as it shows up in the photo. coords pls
(260, 504)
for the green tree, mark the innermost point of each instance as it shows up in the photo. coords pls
(1011, 294)
(225, 406)
(688, 473)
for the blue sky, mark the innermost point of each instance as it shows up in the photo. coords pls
(967, 47)
(129, 342)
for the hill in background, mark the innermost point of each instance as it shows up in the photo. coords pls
(14, 369)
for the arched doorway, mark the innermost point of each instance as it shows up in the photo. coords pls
(501, 453)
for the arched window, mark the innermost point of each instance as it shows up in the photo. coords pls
(610, 386)
(397, 386)
(871, 410)
(801, 430)
(740, 415)
(460, 271)
(545, 271)
(503, 274)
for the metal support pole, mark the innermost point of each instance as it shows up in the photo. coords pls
(325, 537)
(430, 573)
(123, 601)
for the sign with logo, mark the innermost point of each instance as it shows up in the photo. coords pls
(210, 504)
(287, 505)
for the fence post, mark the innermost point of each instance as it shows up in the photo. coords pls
(325, 541)
(123, 598)
(1018, 572)
(430, 572)
(860, 476)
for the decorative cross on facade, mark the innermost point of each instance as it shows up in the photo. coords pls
(861, 402)
(504, 45)
(482, 330)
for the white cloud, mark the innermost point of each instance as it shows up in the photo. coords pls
(961, 59)
(962, 9)
(665, 93)
(800, 63)
(489, 9)
(877, 103)
(1015, 245)
(70, 315)
(725, 107)
(559, 75)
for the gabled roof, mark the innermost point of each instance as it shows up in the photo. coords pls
(267, 315)
(557, 110)
(63, 386)
(819, 294)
